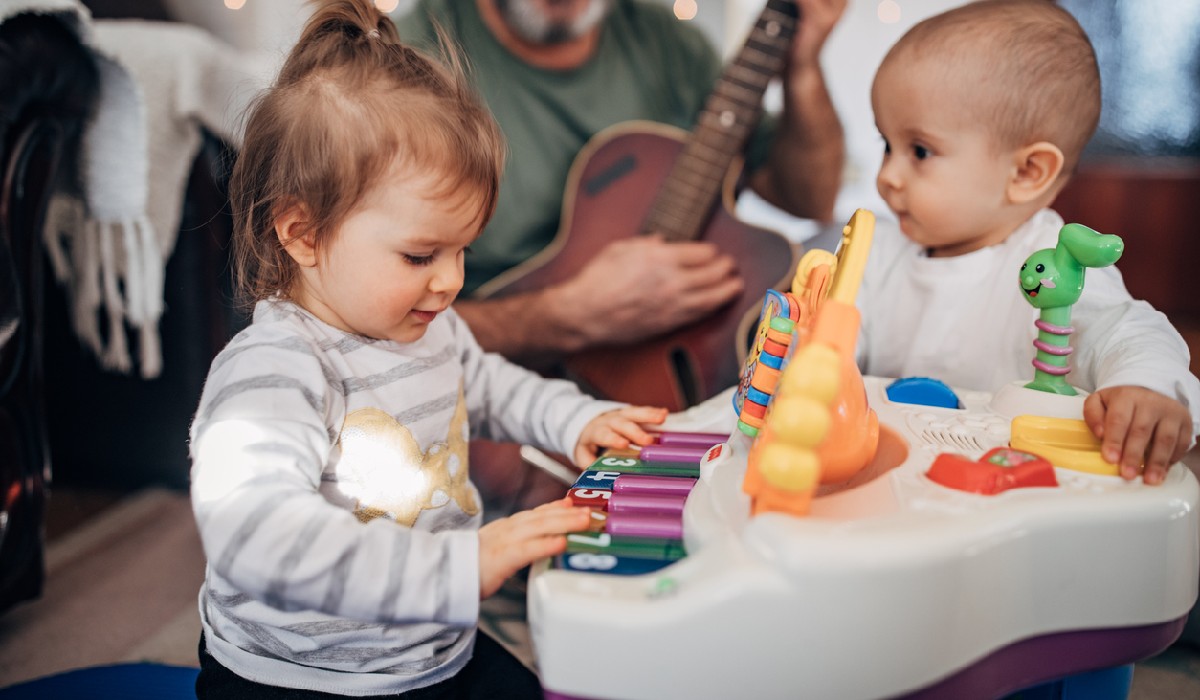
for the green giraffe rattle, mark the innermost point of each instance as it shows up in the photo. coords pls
(1052, 280)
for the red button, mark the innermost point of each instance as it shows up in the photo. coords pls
(999, 470)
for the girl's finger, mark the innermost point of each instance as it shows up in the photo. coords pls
(646, 414)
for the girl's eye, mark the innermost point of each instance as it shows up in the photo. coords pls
(418, 260)
(920, 152)
(887, 147)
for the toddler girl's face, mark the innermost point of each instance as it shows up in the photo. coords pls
(396, 262)
(940, 175)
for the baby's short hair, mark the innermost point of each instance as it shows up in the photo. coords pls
(1032, 76)
(350, 102)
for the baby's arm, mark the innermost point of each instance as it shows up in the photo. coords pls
(616, 429)
(1137, 425)
(508, 544)
(1139, 363)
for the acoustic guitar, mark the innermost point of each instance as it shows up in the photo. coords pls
(638, 178)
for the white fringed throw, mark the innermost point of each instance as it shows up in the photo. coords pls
(159, 84)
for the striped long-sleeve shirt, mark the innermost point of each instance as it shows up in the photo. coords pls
(330, 486)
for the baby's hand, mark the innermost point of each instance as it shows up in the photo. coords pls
(509, 544)
(616, 429)
(1137, 425)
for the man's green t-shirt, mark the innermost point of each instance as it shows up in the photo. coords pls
(648, 65)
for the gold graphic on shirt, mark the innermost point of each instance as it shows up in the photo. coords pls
(383, 469)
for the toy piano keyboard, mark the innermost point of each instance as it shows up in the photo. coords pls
(637, 501)
(955, 563)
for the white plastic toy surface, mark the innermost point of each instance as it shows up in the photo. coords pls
(887, 588)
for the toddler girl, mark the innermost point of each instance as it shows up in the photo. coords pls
(329, 473)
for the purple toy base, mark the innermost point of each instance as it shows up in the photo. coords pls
(1035, 661)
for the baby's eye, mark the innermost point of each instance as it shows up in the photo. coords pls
(417, 260)
(887, 147)
(920, 152)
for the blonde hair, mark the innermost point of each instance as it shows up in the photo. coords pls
(1034, 75)
(350, 102)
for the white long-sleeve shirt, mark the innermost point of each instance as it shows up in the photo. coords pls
(330, 486)
(964, 320)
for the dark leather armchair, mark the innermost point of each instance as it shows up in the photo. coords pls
(47, 84)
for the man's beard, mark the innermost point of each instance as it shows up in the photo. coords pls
(531, 25)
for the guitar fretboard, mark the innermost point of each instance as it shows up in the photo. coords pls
(729, 117)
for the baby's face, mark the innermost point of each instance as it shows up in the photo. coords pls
(941, 175)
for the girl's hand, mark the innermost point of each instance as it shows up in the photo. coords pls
(616, 429)
(1136, 425)
(509, 544)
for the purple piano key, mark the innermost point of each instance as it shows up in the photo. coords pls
(705, 440)
(638, 483)
(665, 504)
(644, 525)
(687, 454)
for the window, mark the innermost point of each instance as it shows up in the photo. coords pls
(1149, 54)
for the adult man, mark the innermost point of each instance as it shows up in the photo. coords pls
(555, 72)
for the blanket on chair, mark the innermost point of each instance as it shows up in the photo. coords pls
(160, 84)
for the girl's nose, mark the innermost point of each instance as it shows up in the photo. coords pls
(447, 275)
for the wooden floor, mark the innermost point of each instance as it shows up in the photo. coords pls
(68, 509)
(122, 576)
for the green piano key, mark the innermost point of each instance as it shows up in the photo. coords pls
(643, 547)
(630, 465)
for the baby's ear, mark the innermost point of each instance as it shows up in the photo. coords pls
(293, 228)
(1036, 168)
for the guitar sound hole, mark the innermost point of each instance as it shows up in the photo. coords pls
(685, 376)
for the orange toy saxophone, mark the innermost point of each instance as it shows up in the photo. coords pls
(818, 429)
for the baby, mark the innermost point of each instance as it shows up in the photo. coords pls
(984, 111)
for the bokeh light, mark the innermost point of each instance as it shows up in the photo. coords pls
(888, 12)
(685, 9)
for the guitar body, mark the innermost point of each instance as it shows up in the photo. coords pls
(610, 191)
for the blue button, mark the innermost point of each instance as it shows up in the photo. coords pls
(922, 391)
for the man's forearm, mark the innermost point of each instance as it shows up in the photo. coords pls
(527, 328)
(803, 172)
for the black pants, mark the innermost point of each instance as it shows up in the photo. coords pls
(491, 674)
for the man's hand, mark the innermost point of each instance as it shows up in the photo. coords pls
(631, 290)
(817, 19)
(642, 286)
(803, 171)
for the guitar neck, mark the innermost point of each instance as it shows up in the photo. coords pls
(729, 117)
